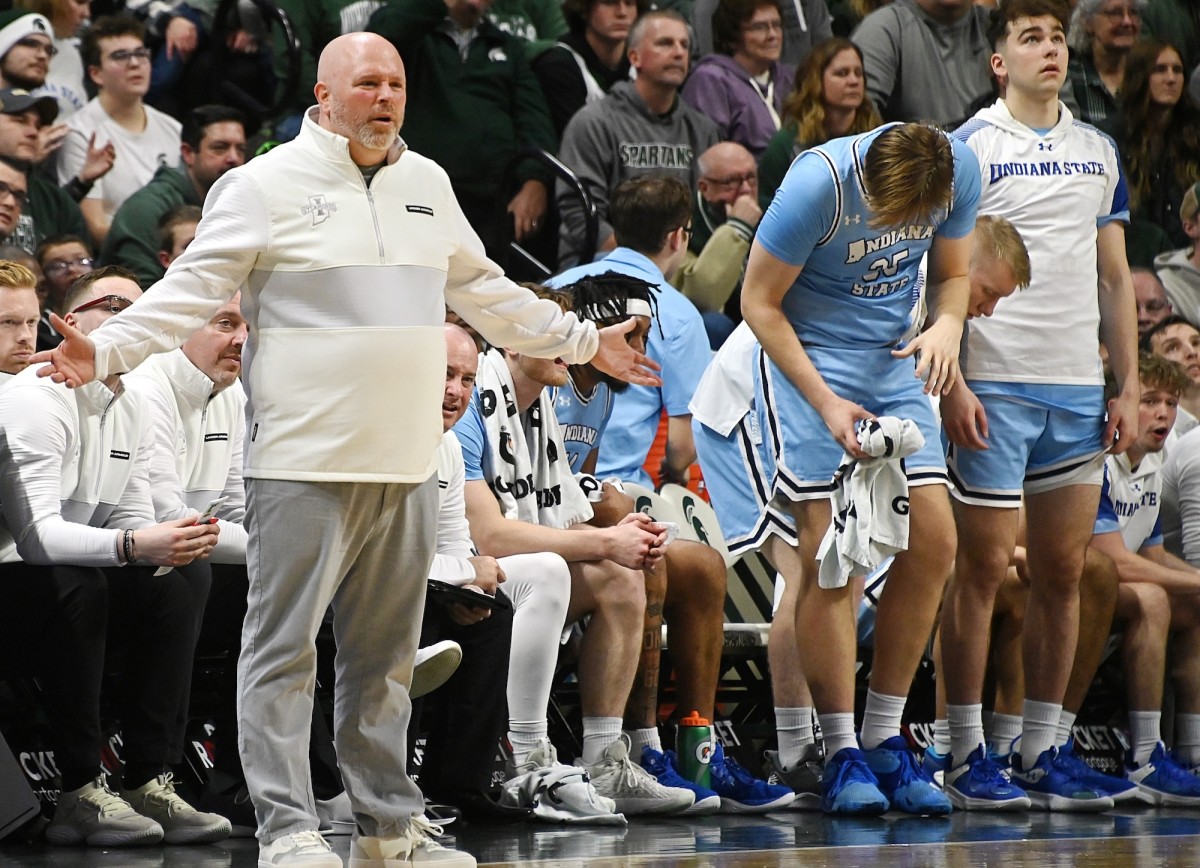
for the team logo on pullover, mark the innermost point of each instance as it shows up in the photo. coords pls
(319, 207)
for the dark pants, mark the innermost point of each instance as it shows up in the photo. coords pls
(67, 623)
(221, 637)
(466, 717)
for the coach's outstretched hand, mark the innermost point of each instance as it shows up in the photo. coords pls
(73, 362)
(616, 357)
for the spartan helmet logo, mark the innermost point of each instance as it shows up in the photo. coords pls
(38, 24)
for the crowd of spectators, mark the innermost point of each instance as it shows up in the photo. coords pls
(676, 126)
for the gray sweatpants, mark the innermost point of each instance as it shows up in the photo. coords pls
(366, 549)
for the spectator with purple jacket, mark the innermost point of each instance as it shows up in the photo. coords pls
(741, 86)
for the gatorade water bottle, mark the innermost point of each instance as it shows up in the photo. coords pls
(694, 748)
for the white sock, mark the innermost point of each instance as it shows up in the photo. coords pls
(1004, 729)
(640, 738)
(524, 736)
(1187, 739)
(1145, 731)
(941, 736)
(1066, 720)
(838, 732)
(1039, 728)
(881, 718)
(598, 734)
(966, 730)
(795, 729)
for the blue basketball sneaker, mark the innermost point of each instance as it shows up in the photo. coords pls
(935, 765)
(979, 784)
(740, 791)
(903, 781)
(1163, 781)
(1118, 789)
(1052, 789)
(662, 766)
(848, 786)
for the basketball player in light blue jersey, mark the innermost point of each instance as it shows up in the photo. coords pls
(692, 603)
(828, 295)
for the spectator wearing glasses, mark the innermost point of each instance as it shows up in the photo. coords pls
(14, 193)
(26, 49)
(1102, 33)
(1153, 306)
(742, 85)
(18, 318)
(63, 259)
(725, 213)
(78, 551)
(213, 142)
(143, 138)
(65, 79)
(50, 210)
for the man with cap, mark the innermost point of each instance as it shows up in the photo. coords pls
(49, 210)
(1179, 270)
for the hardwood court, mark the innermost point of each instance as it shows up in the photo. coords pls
(1136, 837)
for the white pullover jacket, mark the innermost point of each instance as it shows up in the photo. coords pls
(344, 287)
(72, 463)
(197, 452)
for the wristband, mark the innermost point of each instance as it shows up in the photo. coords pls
(78, 188)
(127, 547)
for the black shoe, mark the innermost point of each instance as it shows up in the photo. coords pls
(233, 804)
(480, 808)
(441, 814)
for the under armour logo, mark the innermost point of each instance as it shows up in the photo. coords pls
(852, 219)
(319, 207)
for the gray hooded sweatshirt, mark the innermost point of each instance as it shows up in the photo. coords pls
(1181, 280)
(618, 138)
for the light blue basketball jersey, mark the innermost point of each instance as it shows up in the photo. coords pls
(856, 287)
(581, 420)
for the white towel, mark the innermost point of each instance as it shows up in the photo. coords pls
(525, 465)
(870, 502)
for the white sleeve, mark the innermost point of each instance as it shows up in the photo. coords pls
(212, 269)
(37, 430)
(231, 543)
(136, 507)
(454, 546)
(165, 487)
(71, 155)
(506, 314)
(1181, 497)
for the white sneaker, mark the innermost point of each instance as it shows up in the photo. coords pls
(631, 787)
(335, 815)
(298, 850)
(555, 792)
(416, 847)
(95, 815)
(181, 823)
(433, 667)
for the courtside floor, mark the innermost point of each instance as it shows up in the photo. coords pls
(1124, 837)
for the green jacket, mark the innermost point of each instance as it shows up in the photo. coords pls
(50, 211)
(133, 237)
(469, 114)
